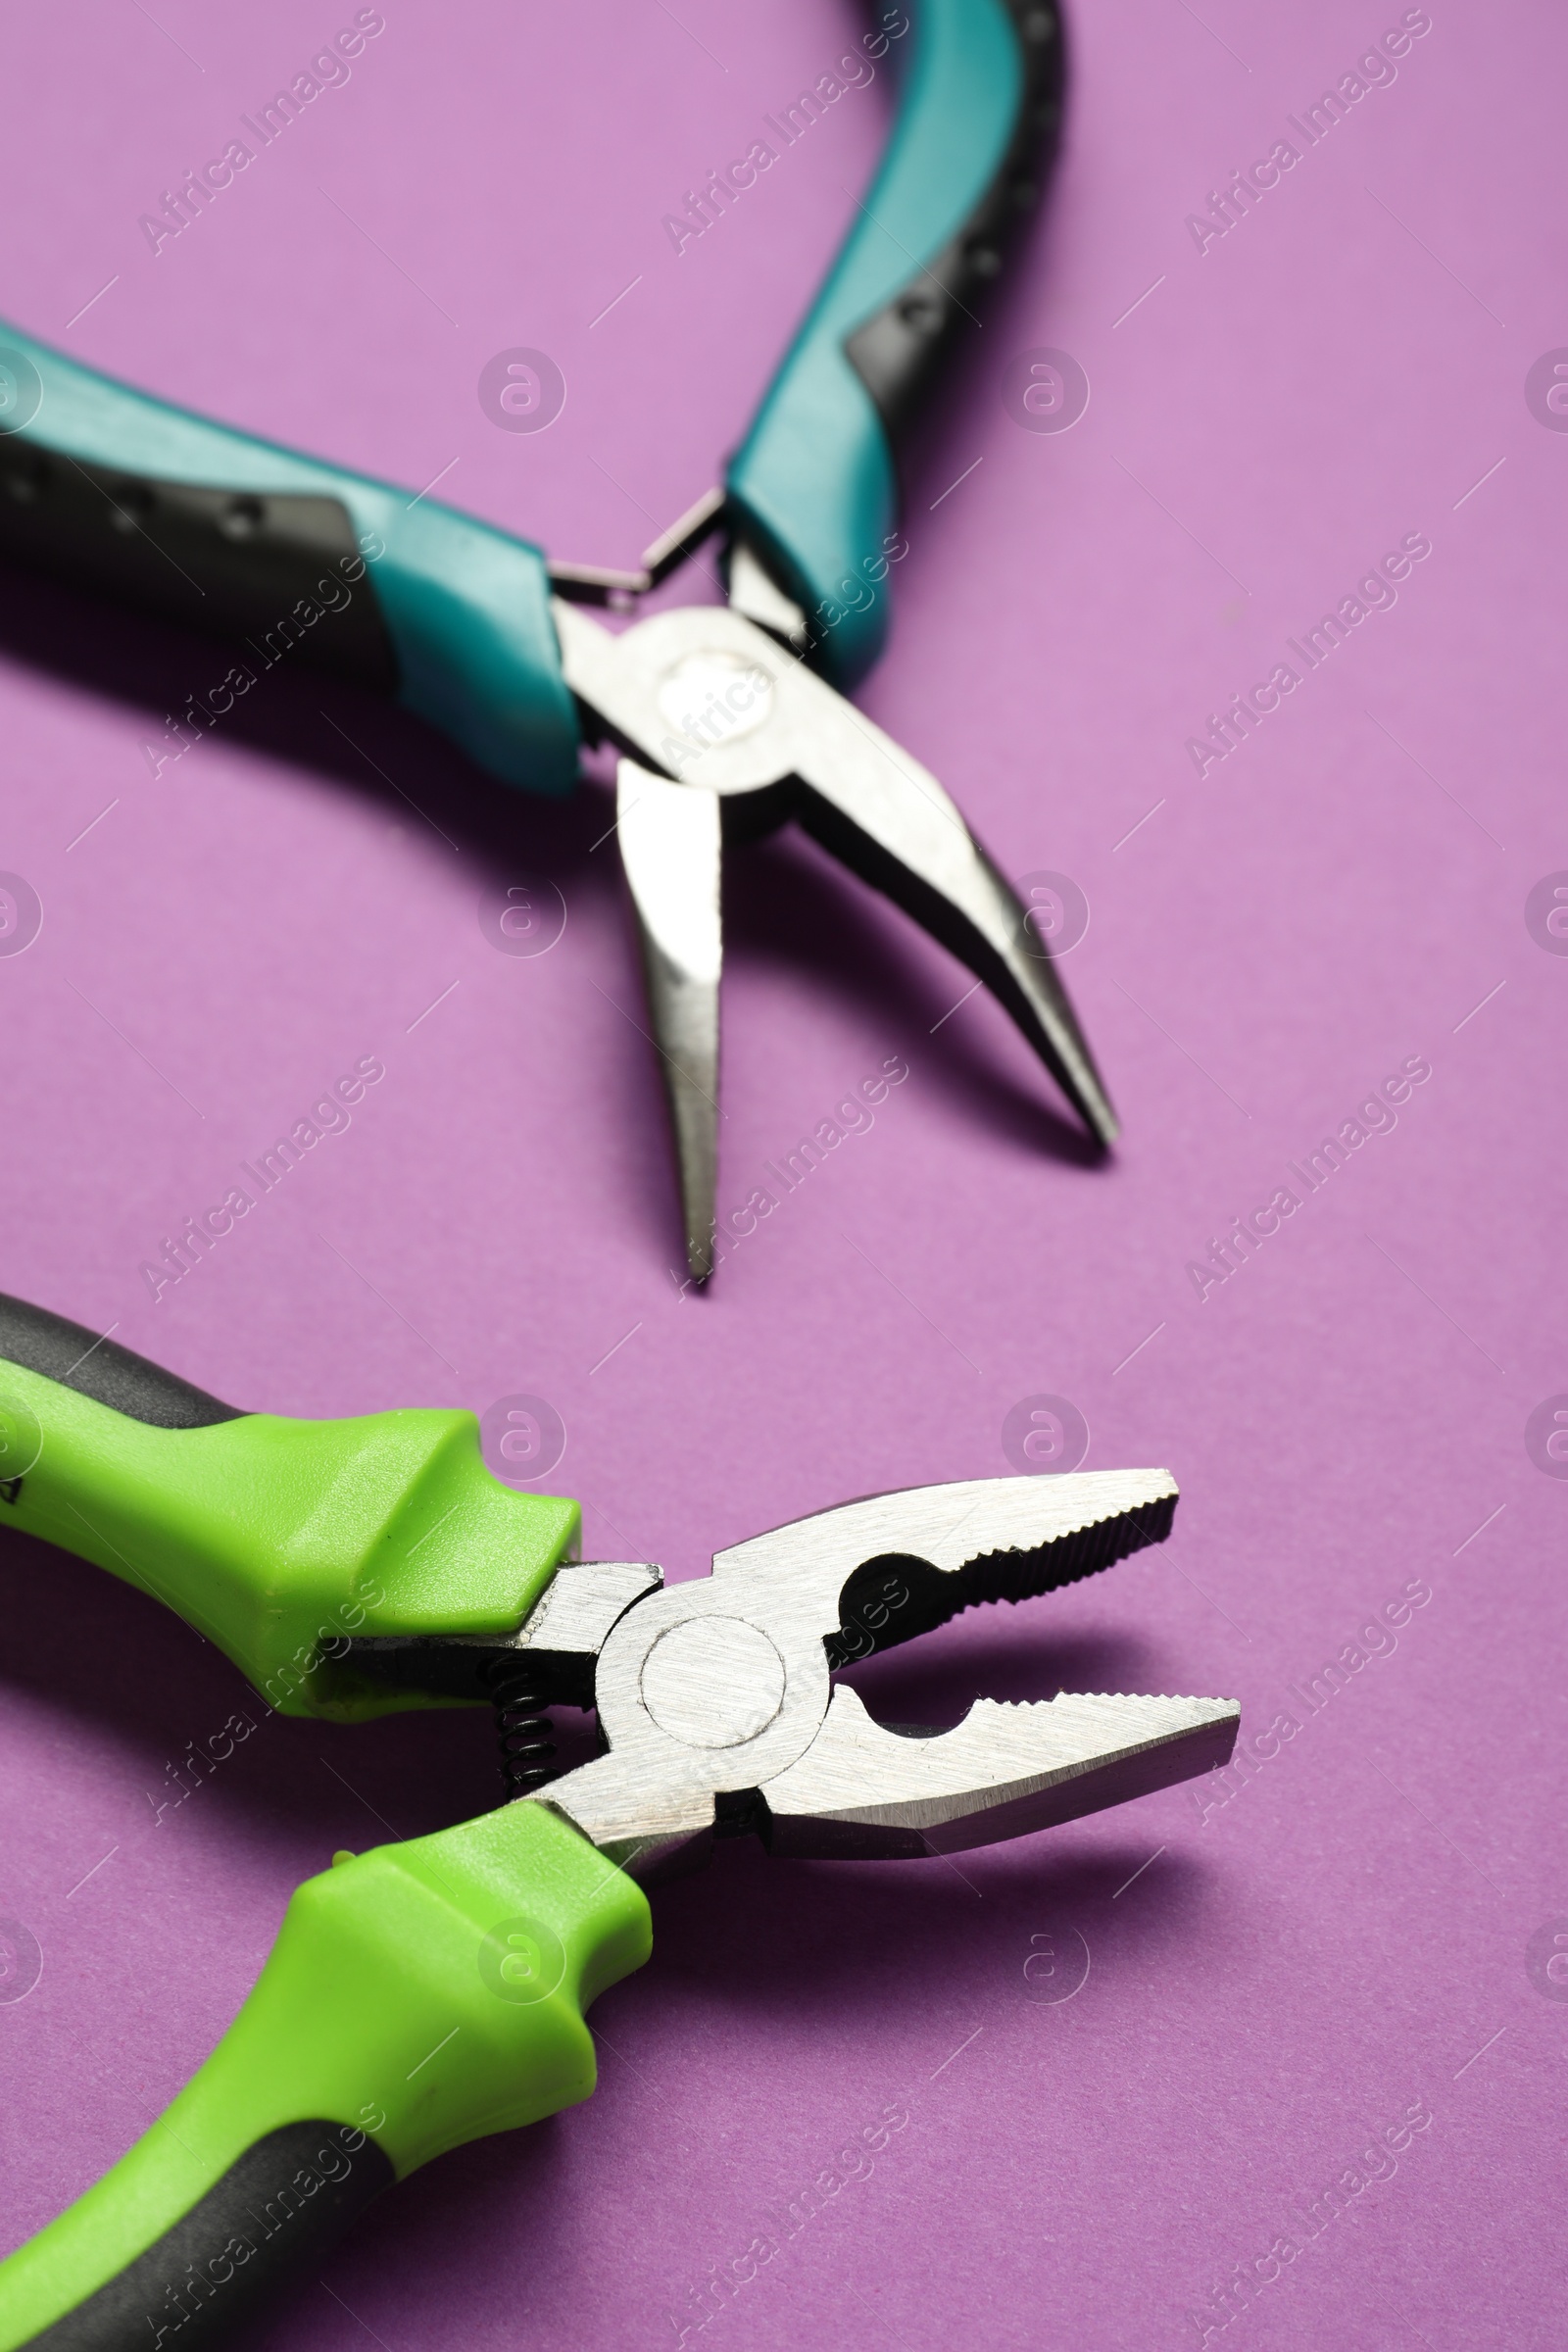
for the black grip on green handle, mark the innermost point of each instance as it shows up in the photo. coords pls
(99, 1368)
(177, 2290)
(418, 1996)
(279, 1539)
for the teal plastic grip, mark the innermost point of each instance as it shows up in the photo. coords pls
(814, 486)
(466, 607)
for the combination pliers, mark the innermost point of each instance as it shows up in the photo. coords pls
(729, 719)
(426, 1993)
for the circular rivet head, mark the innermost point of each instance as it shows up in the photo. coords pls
(711, 698)
(714, 1682)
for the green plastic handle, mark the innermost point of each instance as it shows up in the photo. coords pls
(279, 1539)
(814, 486)
(289, 556)
(420, 1996)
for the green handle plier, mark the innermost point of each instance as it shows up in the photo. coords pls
(729, 719)
(429, 1992)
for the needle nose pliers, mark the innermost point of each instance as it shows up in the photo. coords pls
(428, 1993)
(730, 720)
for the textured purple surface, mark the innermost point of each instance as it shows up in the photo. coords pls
(1346, 1935)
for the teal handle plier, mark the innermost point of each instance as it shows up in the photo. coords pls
(428, 1993)
(729, 720)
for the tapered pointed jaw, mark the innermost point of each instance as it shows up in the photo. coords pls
(862, 795)
(670, 848)
(864, 1791)
(889, 819)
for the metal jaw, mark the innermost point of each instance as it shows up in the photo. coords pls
(561, 1638)
(709, 708)
(718, 1713)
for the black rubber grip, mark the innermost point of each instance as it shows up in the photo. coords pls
(233, 563)
(77, 1357)
(900, 353)
(267, 2226)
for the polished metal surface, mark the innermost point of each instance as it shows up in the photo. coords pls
(563, 1635)
(671, 848)
(708, 699)
(716, 1699)
(755, 592)
(603, 584)
(863, 1789)
(581, 1602)
(982, 1539)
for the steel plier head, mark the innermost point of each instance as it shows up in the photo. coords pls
(718, 1709)
(726, 730)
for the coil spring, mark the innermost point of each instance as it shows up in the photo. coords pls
(523, 1726)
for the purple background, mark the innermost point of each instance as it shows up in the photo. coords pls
(1342, 1937)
